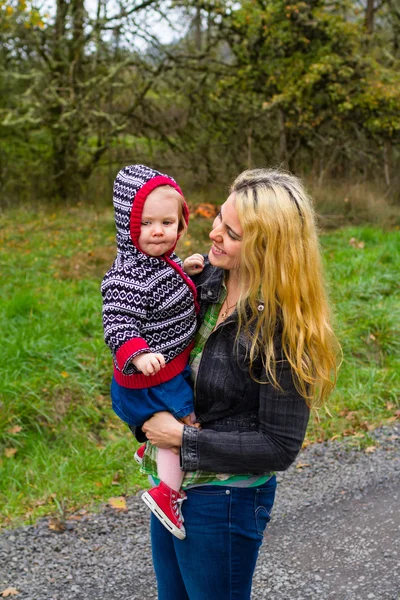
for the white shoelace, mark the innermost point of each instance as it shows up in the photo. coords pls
(177, 507)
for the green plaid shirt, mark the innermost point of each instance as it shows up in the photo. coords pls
(149, 464)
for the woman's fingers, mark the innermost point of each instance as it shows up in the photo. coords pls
(163, 430)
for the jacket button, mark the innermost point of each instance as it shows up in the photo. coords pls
(227, 492)
(209, 293)
(260, 307)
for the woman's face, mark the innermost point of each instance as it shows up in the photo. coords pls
(226, 236)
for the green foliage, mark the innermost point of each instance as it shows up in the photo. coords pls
(313, 86)
(310, 66)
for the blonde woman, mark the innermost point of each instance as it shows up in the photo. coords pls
(264, 354)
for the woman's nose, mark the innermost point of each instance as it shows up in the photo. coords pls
(215, 233)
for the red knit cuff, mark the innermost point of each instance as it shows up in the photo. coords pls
(129, 349)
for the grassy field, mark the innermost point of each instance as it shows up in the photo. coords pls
(61, 447)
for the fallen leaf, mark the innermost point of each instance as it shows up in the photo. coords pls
(351, 415)
(301, 465)
(40, 503)
(356, 243)
(306, 443)
(390, 405)
(9, 452)
(119, 503)
(15, 429)
(56, 525)
(116, 479)
(206, 210)
(347, 432)
(11, 591)
(64, 374)
(391, 419)
(370, 449)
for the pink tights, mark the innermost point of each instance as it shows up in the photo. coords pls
(168, 467)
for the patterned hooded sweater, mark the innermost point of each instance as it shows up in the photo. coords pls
(149, 303)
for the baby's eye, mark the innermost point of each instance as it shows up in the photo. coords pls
(168, 222)
(145, 223)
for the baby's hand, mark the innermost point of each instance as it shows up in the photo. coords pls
(188, 421)
(193, 264)
(149, 363)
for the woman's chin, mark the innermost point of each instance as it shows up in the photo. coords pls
(214, 259)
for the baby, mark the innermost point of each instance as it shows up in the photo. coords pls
(149, 319)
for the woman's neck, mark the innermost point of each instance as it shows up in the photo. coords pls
(232, 283)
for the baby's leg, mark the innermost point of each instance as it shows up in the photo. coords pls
(168, 467)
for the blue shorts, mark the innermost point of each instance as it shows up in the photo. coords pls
(136, 406)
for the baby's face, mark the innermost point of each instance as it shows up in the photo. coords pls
(160, 221)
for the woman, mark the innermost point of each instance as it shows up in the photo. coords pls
(264, 354)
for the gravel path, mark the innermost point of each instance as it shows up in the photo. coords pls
(334, 535)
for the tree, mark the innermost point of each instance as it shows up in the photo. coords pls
(80, 89)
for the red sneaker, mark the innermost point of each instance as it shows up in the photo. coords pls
(138, 456)
(165, 504)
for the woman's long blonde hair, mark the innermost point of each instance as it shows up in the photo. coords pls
(281, 265)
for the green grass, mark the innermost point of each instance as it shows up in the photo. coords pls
(61, 446)
(363, 264)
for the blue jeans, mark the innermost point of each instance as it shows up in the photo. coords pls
(224, 527)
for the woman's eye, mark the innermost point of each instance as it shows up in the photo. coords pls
(233, 236)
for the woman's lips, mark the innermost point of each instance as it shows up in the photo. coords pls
(216, 250)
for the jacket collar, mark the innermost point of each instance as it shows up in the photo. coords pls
(209, 287)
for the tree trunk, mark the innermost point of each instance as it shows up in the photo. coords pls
(197, 29)
(249, 148)
(282, 138)
(369, 16)
(387, 160)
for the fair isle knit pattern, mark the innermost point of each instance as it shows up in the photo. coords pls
(148, 302)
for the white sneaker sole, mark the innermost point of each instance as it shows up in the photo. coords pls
(162, 517)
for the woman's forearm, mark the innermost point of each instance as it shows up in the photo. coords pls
(234, 452)
(273, 446)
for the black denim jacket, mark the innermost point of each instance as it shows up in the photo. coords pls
(246, 427)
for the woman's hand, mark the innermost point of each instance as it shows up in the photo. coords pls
(163, 430)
